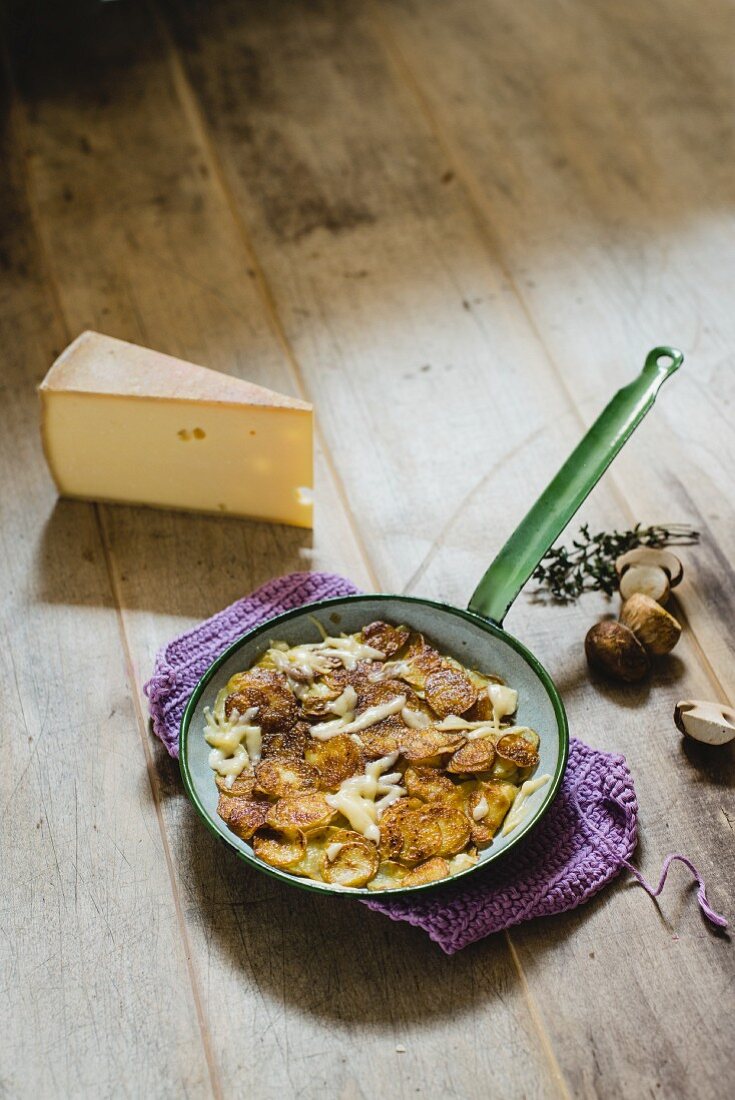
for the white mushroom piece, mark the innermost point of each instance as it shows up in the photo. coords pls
(649, 570)
(712, 723)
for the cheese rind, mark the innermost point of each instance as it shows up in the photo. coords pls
(128, 425)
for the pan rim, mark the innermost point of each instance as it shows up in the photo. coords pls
(328, 888)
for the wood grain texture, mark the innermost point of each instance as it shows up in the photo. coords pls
(322, 198)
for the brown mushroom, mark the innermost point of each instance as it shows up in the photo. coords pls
(613, 649)
(650, 580)
(653, 626)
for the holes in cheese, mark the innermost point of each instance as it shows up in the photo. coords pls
(127, 424)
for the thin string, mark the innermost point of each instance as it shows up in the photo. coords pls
(711, 915)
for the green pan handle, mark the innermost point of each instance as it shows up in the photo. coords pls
(575, 480)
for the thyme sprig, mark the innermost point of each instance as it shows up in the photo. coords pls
(588, 565)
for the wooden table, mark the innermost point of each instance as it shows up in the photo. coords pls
(456, 227)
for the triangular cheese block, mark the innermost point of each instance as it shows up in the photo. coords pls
(126, 424)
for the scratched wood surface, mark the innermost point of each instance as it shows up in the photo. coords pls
(455, 226)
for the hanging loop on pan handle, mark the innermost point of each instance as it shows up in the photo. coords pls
(548, 517)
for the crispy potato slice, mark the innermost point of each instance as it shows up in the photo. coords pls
(422, 745)
(383, 691)
(243, 815)
(315, 701)
(334, 760)
(391, 840)
(385, 638)
(420, 664)
(288, 743)
(242, 785)
(308, 810)
(454, 827)
(284, 850)
(419, 836)
(475, 756)
(430, 871)
(518, 750)
(353, 865)
(382, 738)
(283, 775)
(389, 876)
(449, 690)
(504, 769)
(498, 797)
(427, 784)
(267, 690)
(482, 709)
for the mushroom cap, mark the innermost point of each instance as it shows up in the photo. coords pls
(652, 555)
(612, 648)
(652, 625)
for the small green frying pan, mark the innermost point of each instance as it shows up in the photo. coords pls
(475, 636)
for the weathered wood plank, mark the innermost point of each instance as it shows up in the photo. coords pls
(93, 961)
(318, 82)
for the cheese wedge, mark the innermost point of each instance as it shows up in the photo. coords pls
(125, 424)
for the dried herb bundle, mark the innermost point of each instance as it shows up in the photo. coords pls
(588, 565)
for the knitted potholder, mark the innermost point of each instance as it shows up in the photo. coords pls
(583, 841)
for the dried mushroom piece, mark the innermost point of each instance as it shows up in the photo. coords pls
(430, 871)
(284, 776)
(279, 849)
(350, 863)
(308, 810)
(269, 692)
(334, 760)
(243, 815)
(385, 638)
(519, 749)
(449, 690)
(475, 756)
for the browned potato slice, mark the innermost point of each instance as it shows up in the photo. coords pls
(372, 695)
(385, 638)
(284, 850)
(391, 840)
(353, 865)
(430, 871)
(339, 678)
(382, 738)
(515, 748)
(423, 661)
(286, 742)
(499, 798)
(411, 835)
(315, 701)
(283, 775)
(267, 690)
(453, 826)
(504, 769)
(449, 690)
(482, 709)
(242, 785)
(308, 810)
(389, 876)
(423, 745)
(475, 756)
(334, 760)
(243, 815)
(427, 784)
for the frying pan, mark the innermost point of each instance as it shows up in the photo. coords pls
(475, 636)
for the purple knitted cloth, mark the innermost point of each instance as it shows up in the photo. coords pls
(584, 840)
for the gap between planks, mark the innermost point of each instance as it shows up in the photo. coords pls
(475, 197)
(18, 129)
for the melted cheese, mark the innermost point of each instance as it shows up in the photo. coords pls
(480, 809)
(236, 742)
(333, 850)
(415, 719)
(362, 798)
(504, 701)
(519, 809)
(323, 731)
